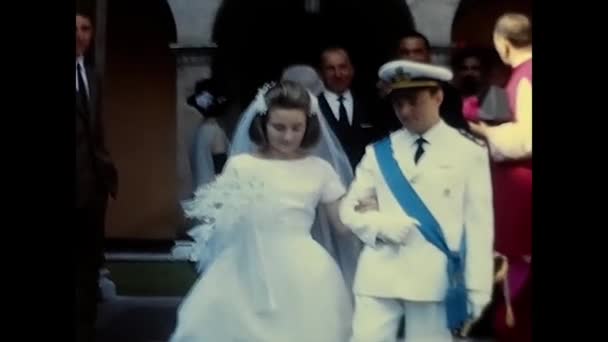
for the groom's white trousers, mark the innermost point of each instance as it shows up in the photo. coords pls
(377, 320)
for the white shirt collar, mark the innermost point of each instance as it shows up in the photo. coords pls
(334, 104)
(331, 96)
(80, 60)
(405, 144)
(432, 135)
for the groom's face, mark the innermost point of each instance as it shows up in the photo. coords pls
(417, 108)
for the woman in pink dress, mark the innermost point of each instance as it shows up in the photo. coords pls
(510, 146)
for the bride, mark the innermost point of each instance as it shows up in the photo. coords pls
(265, 278)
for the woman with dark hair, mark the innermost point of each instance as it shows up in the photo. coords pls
(264, 278)
(210, 144)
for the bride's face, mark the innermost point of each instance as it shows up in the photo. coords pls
(285, 130)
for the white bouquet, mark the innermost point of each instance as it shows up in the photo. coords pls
(220, 206)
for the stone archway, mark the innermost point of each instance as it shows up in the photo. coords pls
(251, 50)
(447, 23)
(473, 26)
(434, 18)
(474, 21)
(235, 41)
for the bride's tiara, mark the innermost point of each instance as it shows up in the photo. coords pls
(262, 107)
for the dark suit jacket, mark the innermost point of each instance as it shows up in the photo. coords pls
(95, 172)
(357, 136)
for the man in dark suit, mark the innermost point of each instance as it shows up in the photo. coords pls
(345, 114)
(96, 177)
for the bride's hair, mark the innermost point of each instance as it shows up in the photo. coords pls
(286, 95)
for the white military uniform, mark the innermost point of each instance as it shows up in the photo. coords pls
(453, 179)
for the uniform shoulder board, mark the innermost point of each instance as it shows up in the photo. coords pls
(472, 138)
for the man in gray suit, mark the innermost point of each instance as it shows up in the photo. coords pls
(96, 177)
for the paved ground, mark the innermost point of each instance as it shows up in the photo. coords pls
(137, 319)
(149, 293)
(141, 319)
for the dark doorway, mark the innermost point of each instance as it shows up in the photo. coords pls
(139, 111)
(258, 39)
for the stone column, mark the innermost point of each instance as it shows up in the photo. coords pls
(194, 49)
(194, 20)
(434, 19)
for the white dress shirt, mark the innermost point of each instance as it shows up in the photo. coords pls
(334, 104)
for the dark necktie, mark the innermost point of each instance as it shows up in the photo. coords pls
(343, 119)
(82, 90)
(420, 150)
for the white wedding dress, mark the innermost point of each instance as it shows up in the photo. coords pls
(275, 283)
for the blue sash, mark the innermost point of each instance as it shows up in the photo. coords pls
(410, 202)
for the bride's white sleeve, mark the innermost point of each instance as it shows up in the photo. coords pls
(332, 188)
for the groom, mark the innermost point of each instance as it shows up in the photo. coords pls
(429, 247)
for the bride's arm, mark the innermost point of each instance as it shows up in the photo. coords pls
(363, 206)
(333, 211)
(332, 196)
(356, 208)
